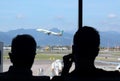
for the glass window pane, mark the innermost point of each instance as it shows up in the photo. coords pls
(104, 15)
(58, 17)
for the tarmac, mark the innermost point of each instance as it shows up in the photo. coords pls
(45, 65)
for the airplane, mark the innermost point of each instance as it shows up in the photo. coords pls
(50, 32)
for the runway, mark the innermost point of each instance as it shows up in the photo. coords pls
(46, 66)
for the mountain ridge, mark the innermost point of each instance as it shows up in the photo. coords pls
(109, 38)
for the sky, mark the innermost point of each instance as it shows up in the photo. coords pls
(32, 14)
(104, 15)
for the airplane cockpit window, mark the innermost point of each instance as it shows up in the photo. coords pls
(51, 22)
(104, 15)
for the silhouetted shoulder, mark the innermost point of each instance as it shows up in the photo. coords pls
(4, 77)
(11, 76)
(99, 75)
(94, 73)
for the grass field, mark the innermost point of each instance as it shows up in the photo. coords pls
(48, 56)
(104, 56)
(39, 56)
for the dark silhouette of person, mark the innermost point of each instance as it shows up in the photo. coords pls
(23, 51)
(85, 49)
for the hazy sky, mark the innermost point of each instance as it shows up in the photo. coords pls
(15, 14)
(63, 14)
(102, 14)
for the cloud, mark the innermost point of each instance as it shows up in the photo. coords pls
(20, 16)
(112, 15)
(59, 17)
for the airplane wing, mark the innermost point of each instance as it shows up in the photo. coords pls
(58, 33)
(45, 31)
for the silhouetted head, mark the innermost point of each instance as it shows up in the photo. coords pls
(23, 51)
(86, 43)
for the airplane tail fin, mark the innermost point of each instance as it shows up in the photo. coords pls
(61, 32)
